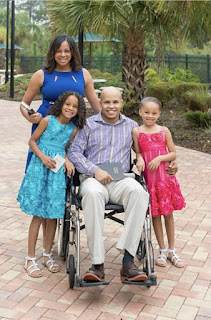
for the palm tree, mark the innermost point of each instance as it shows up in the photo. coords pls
(129, 20)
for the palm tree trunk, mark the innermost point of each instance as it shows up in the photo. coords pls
(134, 68)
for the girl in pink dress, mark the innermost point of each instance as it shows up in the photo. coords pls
(154, 150)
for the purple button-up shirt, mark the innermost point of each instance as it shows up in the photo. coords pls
(102, 142)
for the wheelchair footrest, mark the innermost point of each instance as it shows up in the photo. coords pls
(91, 284)
(148, 283)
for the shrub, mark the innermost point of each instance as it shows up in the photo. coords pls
(151, 76)
(20, 86)
(179, 75)
(24, 79)
(199, 118)
(166, 91)
(198, 99)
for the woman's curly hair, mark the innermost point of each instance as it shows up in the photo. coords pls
(80, 119)
(50, 63)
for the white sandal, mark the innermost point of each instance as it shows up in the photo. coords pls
(161, 260)
(175, 260)
(52, 263)
(32, 268)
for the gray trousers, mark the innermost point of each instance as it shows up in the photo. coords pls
(127, 192)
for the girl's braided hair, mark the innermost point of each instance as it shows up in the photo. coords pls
(80, 119)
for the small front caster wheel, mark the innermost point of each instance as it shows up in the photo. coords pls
(71, 271)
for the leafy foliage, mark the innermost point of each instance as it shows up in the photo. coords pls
(151, 76)
(199, 118)
(166, 91)
(198, 99)
(31, 29)
(20, 86)
(179, 75)
(130, 104)
(36, 9)
(131, 21)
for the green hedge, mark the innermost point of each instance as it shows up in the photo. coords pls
(199, 118)
(166, 91)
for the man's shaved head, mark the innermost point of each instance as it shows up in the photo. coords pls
(110, 90)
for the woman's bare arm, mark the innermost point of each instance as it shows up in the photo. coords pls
(90, 93)
(35, 84)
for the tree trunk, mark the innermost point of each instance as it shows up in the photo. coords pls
(134, 72)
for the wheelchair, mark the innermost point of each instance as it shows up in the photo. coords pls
(69, 237)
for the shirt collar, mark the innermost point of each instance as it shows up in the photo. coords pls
(99, 118)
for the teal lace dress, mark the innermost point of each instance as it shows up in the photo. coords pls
(42, 192)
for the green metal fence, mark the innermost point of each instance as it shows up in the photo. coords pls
(111, 64)
(199, 65)
(31, 64)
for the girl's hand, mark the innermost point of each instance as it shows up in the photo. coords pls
(140, 164)
(69, 167)
(48, 162)
(35, 117)
(154, 164)
(172, 169)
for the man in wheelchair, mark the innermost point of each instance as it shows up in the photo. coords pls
(107, 138)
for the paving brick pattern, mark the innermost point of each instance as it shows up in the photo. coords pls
(183, 294)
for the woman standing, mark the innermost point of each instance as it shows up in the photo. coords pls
(62, 72)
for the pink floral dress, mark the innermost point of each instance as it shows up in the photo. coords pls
(164, 190)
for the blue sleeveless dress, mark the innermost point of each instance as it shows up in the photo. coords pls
(55, 84)
(42, 192)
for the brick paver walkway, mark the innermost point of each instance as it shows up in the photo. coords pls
(183, 294)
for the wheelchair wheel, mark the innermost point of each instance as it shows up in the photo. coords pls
(141, 251)
(65, 234)
(149, 260)
(71, 271)
(59, 240)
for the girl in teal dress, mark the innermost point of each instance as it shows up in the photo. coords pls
(42, 192)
